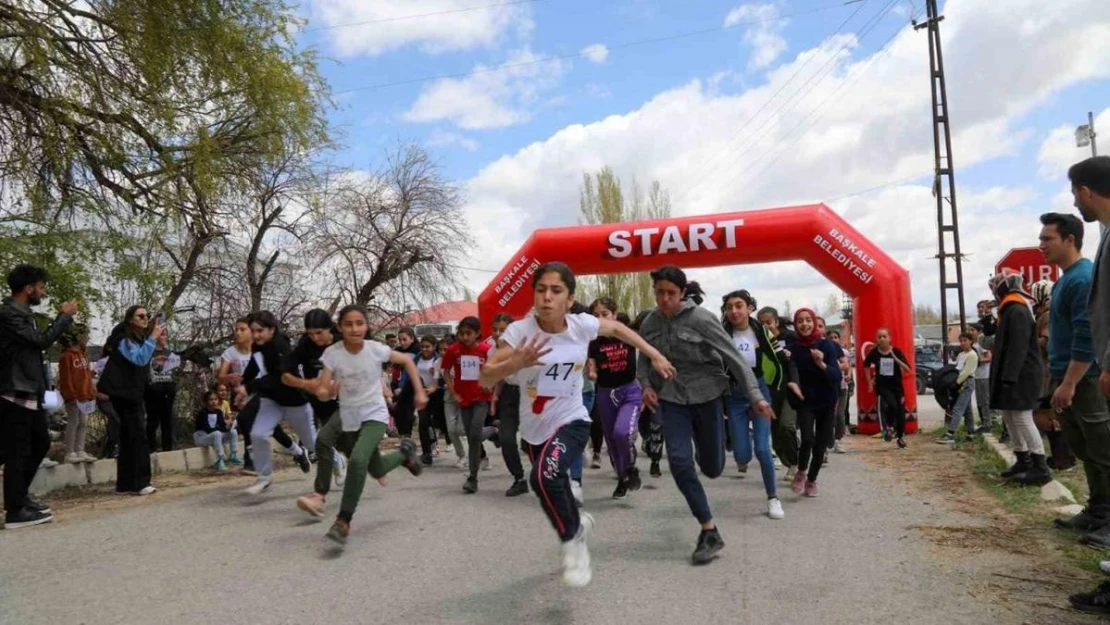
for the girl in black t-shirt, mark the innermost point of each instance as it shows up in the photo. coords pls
(886, 365)
(618, 400)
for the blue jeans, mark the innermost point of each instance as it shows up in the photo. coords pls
(962, 408)
(739, 418)
(588, 399)
(704, 425)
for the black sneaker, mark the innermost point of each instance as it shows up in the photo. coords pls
(411, 462)
(26, 517)
(901, 443)
(303, 462)
(426, 459)
(471, 485)
(622, 490)
(655, 470)
(1083, 522)
(1099, 537)
(519, 487)
(709, 544)
(634, 481)
(596, 462)
(1097, 601)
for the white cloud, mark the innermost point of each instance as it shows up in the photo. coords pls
(1058, 151)
(764, 35)
(875, 131)
(596, 53)
(443, 138)
(489, 99)
(374, 27)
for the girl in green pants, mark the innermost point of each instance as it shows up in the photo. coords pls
(353, 373)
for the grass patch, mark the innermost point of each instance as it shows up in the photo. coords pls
(1024, 503)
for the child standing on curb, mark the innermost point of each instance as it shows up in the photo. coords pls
(353, 373)
(75, 381)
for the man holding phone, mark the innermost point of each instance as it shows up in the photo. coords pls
(23, 434)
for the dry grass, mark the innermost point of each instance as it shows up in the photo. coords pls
(1021, 563)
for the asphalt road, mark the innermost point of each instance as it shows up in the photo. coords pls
(423, 552)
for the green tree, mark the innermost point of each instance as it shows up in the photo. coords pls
(602, 201)
(123, 121)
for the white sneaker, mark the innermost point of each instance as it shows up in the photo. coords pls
(74, 458)
(576, 491)
(576, 555)
(790, 473)
(259, 487)
(86, 457)
(339, 469)
(47, 463)
(486, 464)
(1105, 566)
(838, 448)
(774, 509)
(462, 464)
(149, 490)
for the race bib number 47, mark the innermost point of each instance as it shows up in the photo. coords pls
(561, 373)
(469, 368)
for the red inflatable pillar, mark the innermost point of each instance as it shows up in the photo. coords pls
(879, 286)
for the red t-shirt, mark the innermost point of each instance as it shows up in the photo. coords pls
(465, 363)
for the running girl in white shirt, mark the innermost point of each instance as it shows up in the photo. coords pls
(353, 372)
(545, 354)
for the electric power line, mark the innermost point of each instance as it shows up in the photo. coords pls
(710, 167)
(878, 187)
(812, 83)
(744, 173)
(420, 15)
(572, 55)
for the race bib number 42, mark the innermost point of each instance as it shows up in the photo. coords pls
(561, 373)
(469, 368)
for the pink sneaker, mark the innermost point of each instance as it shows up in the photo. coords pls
(799, 482)
(811, 489)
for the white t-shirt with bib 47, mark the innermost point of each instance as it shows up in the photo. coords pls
(558, 378)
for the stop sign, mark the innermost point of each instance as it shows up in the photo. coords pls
(1030, 263)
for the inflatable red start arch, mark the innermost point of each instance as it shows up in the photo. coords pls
(879, 286)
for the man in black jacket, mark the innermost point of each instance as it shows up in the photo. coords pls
(22, 388)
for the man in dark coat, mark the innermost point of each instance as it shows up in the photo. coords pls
(1016, 378)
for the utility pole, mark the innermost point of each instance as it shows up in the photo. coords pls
(944, 182)
(1084, 136)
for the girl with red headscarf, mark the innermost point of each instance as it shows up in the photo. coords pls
(819, 376)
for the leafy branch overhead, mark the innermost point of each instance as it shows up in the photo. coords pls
(152, 104)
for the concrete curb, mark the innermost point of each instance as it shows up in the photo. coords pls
(1053, 491)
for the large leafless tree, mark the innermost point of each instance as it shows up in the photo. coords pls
(391, 240)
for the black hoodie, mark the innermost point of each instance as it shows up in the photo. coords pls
(275, 356)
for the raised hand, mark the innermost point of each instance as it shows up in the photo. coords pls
(532, 352)
(69, 308)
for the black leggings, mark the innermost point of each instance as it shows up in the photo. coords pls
(816, 426)
(429, 418)
(651, 430)
(404, 412)
(892, 410)
(159, 414)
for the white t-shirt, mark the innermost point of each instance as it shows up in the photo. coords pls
(429, 371)
(558, 377)
(360, 382)
(746, 343)
(239, 360)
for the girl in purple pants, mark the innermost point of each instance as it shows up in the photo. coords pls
(618, 399)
